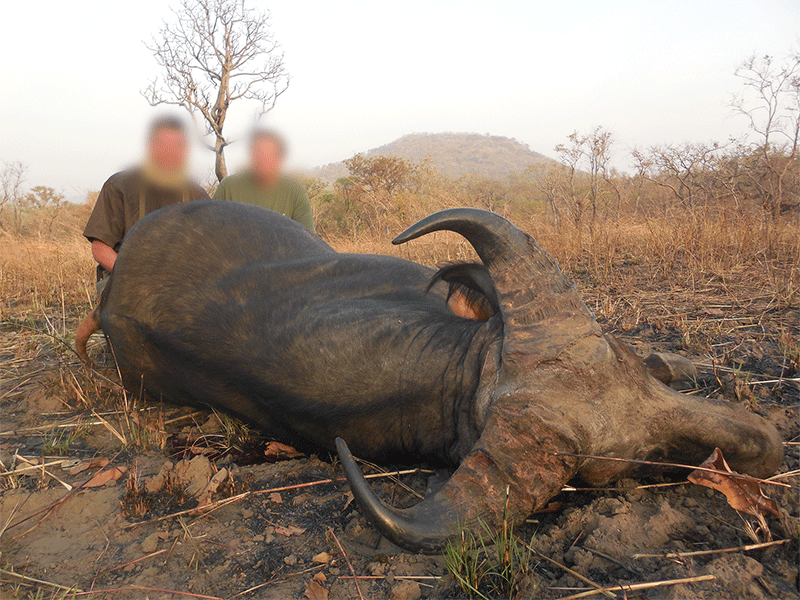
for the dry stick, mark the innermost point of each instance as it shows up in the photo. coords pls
(401, 577)
(613, 560)
(641, 586)
(128, 588)
(794, 473)
(49, 509)
(349, 564)
(273, 581)
(208, 508)
(598, 588)
(33, 466)
(39, 581)
(664, 464)
(137, 560)
(720, 551)
(44, 471)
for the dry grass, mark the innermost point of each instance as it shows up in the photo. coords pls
(719, 286)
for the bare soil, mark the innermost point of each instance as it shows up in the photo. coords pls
(264, 535)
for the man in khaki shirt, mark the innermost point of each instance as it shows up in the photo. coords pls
(129, 195)
(264, 183)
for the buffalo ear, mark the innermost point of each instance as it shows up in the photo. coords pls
(471, 293)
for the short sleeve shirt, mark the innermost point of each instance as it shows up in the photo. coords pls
(286, 197)
(118, 206)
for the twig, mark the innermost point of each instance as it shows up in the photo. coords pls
(35, 467)
(720, 551)
(203, 510)
(108, 426)
(137, 560)
(128, 588)
(39, 581)
(408, 577)
(613, 560)
(794, 473)
(597, 587)
(412, 577)
(663, 464)
(641, 586)
(349, 564)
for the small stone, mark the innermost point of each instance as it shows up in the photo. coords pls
(247, 513)
(290, 560)
(323, 558)
(405, 590)
(150, 543)
(335, 571)
(258, 538)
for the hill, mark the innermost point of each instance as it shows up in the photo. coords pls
(453, 154)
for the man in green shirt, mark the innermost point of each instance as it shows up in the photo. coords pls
(264, 183)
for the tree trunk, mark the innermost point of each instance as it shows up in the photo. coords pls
(220, 168)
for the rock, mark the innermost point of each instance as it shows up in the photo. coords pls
(156, 482)
(405, 590)
(290, 560)
(150, 543)
(323, 558)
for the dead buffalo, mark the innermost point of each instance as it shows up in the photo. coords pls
(496, 368)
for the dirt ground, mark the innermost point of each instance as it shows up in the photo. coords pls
(287, 527)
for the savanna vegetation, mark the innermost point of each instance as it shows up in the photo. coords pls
(695, 250)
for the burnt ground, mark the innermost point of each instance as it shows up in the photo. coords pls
(264, 534)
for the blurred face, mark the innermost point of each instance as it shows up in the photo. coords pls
(267, 160)
(168, 149)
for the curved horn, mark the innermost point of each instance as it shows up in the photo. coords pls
(542, 311)
(515, 456)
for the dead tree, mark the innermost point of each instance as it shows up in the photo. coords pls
(217, 52)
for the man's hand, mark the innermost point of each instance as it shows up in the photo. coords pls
(104, 254)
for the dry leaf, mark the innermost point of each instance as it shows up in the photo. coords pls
(88, 464)
(314, 591)
(104, 477)
(277, 451)
(742, 491)
(320, 577)
(288, 531)
(323, 558)
(275, 497)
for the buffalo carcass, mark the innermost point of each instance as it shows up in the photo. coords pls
(496, 368)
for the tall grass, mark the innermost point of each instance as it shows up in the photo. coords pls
(688, 249)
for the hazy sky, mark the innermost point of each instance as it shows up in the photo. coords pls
(365, 73)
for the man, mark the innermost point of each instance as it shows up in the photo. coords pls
(264, 183)
(129, 195)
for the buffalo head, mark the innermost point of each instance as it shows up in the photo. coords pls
(555, 390)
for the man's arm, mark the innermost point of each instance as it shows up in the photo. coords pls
(104, 254)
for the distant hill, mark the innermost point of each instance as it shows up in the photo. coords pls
(453, 154)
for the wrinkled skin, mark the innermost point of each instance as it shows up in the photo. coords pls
(499, 369)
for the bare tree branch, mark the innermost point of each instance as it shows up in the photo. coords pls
(217, 52)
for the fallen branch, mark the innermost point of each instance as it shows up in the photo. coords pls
(640, 586)
(719, 551)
